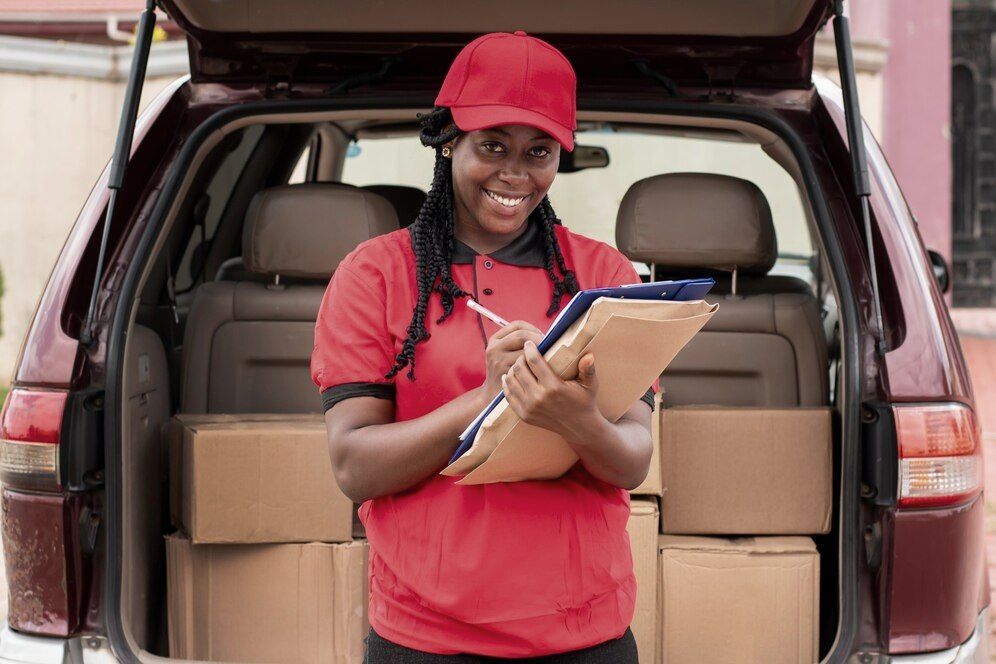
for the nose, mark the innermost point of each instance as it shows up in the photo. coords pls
(513, 172)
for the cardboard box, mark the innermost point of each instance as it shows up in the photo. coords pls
(739, 600)
(642, 528)
(746, 471)
(256, 478)
(652, 485)
(302, 603)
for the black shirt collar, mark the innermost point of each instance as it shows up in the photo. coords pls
(524, 251)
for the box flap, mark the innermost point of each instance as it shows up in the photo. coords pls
(746, 545)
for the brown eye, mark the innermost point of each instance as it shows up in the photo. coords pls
(493, 147)
(541, 151)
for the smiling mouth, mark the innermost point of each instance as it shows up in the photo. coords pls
(507, 201)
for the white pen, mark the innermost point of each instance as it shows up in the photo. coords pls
(490, 315)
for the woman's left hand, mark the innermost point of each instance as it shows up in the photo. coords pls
(541, 398)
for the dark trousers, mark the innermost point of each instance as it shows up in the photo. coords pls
(617, 651)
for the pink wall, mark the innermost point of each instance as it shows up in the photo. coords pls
(917, 112)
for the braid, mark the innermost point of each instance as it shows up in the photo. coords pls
(433, 240)
(567, 284)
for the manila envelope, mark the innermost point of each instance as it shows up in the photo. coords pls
(560, 356)
(633, 341)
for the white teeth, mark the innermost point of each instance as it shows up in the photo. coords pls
(507, 202)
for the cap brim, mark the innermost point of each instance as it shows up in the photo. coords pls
(472, 118)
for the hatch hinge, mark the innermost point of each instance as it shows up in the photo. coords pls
(81, 458)
(859, 163)
(879, 455)
(122, 149)
(280, 70)
(723, 80)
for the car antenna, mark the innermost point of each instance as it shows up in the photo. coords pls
(122, 149)
(859, 163)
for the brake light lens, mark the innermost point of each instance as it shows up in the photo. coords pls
(30, 426)
(940, 455)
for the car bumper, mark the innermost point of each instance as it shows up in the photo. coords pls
(18, 648)
(973, 651)
(22, 649)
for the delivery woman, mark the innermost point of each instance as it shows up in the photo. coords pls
(535, 569)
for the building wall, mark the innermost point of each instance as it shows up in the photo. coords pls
(57, 134)
(917, 112)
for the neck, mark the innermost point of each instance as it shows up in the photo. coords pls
(480, 239)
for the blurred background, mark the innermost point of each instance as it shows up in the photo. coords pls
(926, 75)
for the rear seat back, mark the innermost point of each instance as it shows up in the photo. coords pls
(247, 344)
(765, 346)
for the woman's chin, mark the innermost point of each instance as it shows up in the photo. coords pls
(504, 226)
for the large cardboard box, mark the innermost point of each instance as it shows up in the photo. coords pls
(747, 600)
(652, 486)
(302, 603)
(642, 528)
(255, 478)
(746, 471)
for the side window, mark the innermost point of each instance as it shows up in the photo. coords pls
(589, 200)
(304, 163)
(207, 210)
(396, 160)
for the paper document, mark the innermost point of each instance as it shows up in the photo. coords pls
(632, 339)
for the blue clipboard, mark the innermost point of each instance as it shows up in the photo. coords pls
(681, 290)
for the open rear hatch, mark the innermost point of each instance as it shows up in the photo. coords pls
(716, 43)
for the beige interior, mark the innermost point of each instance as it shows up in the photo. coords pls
(734, 18)
(244, 323)
(766, 345)
(247, 345)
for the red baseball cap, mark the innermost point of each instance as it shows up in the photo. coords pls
(502, 78)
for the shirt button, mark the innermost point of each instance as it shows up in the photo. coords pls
(488, 265)
(488, 291)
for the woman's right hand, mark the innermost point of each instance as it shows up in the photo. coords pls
(504, 348)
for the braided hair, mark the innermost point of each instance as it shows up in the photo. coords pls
(433, 238)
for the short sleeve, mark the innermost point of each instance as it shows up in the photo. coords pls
(353, 347)
(624, 274)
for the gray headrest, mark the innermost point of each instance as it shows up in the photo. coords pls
(697, 220)
(305, 230)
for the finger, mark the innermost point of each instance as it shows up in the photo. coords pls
(539, 366)
(512, 394)
(513, 327)
(586, 371)
(524, 374)
(512, 342)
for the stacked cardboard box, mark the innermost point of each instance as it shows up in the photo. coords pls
(263, 568)
(755, 481)
(642, 528)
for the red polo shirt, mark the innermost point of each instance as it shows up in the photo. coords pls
(514, 569)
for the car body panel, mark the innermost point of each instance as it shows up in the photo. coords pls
(722, 42)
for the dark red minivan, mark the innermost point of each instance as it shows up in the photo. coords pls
(151, 309)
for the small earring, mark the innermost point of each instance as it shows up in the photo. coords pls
(446, 152)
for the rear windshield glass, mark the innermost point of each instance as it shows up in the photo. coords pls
(587, 201)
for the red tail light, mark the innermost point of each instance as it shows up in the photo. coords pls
(940, 455)
(38, 538)
(30, 427)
